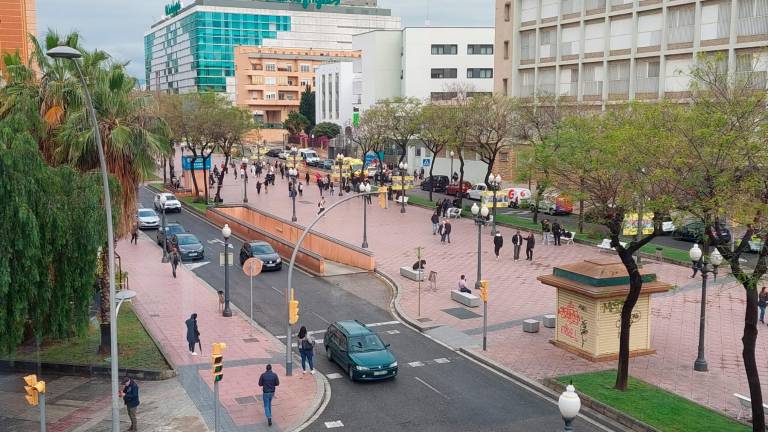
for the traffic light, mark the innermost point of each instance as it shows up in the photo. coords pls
(484, 290)
(33, 389)
(217, 361)
(293, 310)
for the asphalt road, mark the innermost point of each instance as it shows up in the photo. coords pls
(444, 391)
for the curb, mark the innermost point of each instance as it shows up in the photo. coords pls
(394, 305)
(85, 370)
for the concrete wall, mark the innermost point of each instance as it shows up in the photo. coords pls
(380, 65)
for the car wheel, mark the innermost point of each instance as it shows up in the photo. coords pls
(328, 354)
(351, 374)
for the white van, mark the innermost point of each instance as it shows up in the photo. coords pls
(309, 156)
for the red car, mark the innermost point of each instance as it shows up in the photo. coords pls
(453, 188)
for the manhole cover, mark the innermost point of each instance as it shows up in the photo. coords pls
(461, 313)
(250, 340)
(245, 400)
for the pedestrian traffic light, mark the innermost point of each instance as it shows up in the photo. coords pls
(293, 310)
(33, 389)
(484, 290)
(217, 361)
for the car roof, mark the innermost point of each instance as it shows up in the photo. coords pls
(170, 224)
(353, 327)
(184, 235)
(259, 243)
(145, 209)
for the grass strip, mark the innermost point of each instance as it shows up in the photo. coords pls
(200, 207)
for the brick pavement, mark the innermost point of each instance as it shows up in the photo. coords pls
(164, 303)
(517, 295)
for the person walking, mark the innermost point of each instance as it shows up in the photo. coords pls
(193, 334)
(306, 350)
(301, 189)
(557, 232)
(258, 187)
(446, 205)
(175, 259)
(441, 231)
(463, 285)
(130, 395)
(320, 185)
(498, 242)
(447, 230)
(517, 241)
(530, 242)
(545, 230)
(330, 185)
(435, 222)
(321, 205)
(306, 177)
(762, 301)
(268, 381)
(135, 233)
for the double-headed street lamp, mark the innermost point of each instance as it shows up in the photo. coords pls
(364, 188)
(292, 191)
(294, 151)
(451, 174)
(69, 53)
(495, 183)
(340, 160)
(700, 264)
(481, 218)
(403, 171)
(226, 232)
(244, 174)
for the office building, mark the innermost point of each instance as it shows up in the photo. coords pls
(335, 101)
(17, 22)
(192, 47)
(598, 51)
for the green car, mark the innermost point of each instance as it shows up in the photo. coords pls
(359, 351)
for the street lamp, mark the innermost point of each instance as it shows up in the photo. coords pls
(163, 200)
(244, 174)
(226, 232)
(495, 186)
(340, 160)
(69, 53)
(699, 263)
(364, 188)
(481, 215)
(294, 150)
(403, 170)
(569, 405)
(292, 191)
(451, 173)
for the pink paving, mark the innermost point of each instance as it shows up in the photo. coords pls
(164, 303)
(517, 295)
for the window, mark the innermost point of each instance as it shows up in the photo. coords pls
(445, 49)
(270, 67)
(443, 73)
(283, 80)
(337, 95)
(503, 156)
(442, 96)
(270, 96)
(270, 80)
(305, 82)
(507, 11)
(322, 95)
(506, 50)
(418, 151)
(753, 17)
(479, 73)
(480, 49)
(527, 45)
(505, 84)
(680, 22)
(304, 68)
(548, 42)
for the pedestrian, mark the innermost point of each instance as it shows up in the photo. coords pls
(306, 176)
(447, 228)
(330, 185)
(221, 300)
(306, 350)
(282, 172)
(266, 186)
(517, 241)
(321, 205)
(463, 285)
(761, 303)
(193, 334)
(545, 230)
(446, 205)
(498, 242)
(130, 395)
(258, 187)
(435, 222)
(234, 170)
(175, 259)
(135, 233)
(268, 381)
(557, 232)
(320, 185)
(441, 231)
(530, 242)
(301, 189)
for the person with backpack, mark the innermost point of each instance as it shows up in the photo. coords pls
(306, 350)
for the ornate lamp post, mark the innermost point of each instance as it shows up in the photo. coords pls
(364, 188)
(292, 191)
(340, 160)
(481, 218)
(244, 174)
(495, 186)
(569, 405)
(451, 173)
(226, 232)
(165, 259)
(702, 266)
(295, 151)
(403, 171)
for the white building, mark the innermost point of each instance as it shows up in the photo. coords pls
(334, 100)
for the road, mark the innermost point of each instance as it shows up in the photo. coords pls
(436, 389)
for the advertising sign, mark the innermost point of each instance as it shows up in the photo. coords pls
(186, 163)
(306, 3)
(630, 224)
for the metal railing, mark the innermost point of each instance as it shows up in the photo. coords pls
(647, 85)
(593, 88)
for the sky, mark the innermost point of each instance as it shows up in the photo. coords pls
(118, 27)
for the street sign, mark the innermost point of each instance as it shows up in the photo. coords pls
(400, 187)
(426, 162)
(252, 267)
(230, 259)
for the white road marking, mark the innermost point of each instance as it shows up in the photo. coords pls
(382, 323)
(442, 360)
(416, 364)
(277, 290)
(324, 320)
(430, 387)
(393, 331)
(193, 266)
(333, 376)
(334, 424)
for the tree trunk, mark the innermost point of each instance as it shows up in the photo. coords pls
(194, 178)
(165, 166)
(431, 168)
(750, 364)
(635, 285)
(581, 207)
(461, 180)
(221, 181)
(536, 201)
(172, 162)
(106, 340)
(205, 179)
(404, 149)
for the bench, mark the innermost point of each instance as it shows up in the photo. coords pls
(745, 403)
(454, 212)
(400, 200)
(606, 245)
(467, 299)
(531, 326)
(414, 275)
(569, 240)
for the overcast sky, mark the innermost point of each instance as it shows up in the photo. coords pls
(118, 26)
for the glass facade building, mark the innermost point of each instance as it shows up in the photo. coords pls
(192, 50)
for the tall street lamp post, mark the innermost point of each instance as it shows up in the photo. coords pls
(495, 186)
(69, 53)
(292, 191)
(340, 160)
(365, 188)
(244, 174)
(451, 173)
(294, 151)
(481, 218)
(403, 171)
(699, 263)
(163, 200)
(226, 232)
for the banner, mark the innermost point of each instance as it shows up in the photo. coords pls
(186, 163)
(630, 224)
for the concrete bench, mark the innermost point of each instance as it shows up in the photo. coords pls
(414, 275)
(745, 404)
(466, 299)
(549, 321)
(606, 245)
(399, 200)
(531, 326)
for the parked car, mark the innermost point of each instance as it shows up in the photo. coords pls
(435, 183)
(359, 351)
(285, 154)
(309, 156)
(262, 250)
(555, 204)
(190, 247)
(171, 229)
(147, 218)
(455, 190)
(327, 164)
(274, 152)
(476, 192)
(667, 225)
(694, 232)
(518, 196)
(171, 203)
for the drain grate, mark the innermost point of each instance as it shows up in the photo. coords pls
(245, 400)
(250, 340)
(423, 320)
(154, 315)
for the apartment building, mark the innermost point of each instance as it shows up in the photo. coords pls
(17, 22)
(335, 99)
(614, 50)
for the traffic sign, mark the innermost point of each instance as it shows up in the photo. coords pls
(230, 259)
(252, 267)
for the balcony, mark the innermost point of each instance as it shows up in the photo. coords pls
(647, 88)
(753, 26)
(753, 79)
(569, 90)
(618, 88)
(593, 89)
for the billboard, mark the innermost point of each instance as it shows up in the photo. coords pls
(630, 224)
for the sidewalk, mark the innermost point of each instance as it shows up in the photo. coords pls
(164, 303)
(516, 295)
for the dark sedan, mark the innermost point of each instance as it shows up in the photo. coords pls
(172, 229)
(273, 152)
(436, 183)
(262, 250)
(694, 232)
(190, 247)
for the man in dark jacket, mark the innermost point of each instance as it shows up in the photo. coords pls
(530, 242)
(268, 381)
(557, 232)
(446, 205)
(130, 395)
(498, 242)
(193, 335)
(517, 241)
(435, 222)
(447, 230)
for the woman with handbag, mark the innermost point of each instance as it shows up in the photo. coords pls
(307, 350)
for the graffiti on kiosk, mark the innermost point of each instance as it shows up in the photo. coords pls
(572, 323)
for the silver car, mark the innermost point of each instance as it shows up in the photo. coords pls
(147, 219)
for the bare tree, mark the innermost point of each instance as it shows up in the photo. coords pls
(401, 116)
(371, 132)
(231, 125)
(436, 132)
(492, 120)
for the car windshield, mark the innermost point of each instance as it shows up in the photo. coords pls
(175, 229)
(170, 197)
(146, 213)
(187, 240)
(369, 342)
(262, 249)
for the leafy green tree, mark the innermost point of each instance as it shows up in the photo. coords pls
(307, 108)
(326, 129)
(295, 123)
(231, 124)
(401, 116)
(436, 132)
